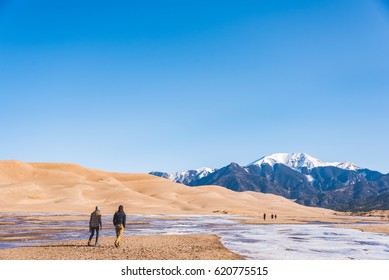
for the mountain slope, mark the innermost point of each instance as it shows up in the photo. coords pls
(307, 180)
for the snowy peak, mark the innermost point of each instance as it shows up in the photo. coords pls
(185, 177)
(297, 161)
(293, 160)
(199, 173)
(347, 165)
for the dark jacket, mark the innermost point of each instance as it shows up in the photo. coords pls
(119, 218)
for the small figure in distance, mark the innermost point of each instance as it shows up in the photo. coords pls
(119, 221)
(95, 225)
(264, 216)
(272, 216)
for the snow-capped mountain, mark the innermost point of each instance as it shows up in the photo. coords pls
(298, 176)
(298, 161)
(185, 177)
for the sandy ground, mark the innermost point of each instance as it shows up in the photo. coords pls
(75, 191)
(377, 228)
(291, 219)
(379, 221)
(164, 247)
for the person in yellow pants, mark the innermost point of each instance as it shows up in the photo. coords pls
(119, 221)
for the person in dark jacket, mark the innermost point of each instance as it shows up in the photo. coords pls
(95, 225)
(119, 221)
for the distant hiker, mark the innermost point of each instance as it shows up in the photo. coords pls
(264, 216)
(275, 216)
(119, 221)
(95, 225)
(272, 216)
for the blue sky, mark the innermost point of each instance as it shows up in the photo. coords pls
(136, 86)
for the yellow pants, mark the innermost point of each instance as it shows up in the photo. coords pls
(119, 232)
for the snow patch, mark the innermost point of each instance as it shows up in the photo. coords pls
(297, 161)
(190, 175)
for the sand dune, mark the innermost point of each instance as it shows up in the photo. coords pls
(56, 187)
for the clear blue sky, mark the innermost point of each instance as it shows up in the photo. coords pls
(137, 86)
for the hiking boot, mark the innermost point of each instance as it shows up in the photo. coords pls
(97, 244)
(89, 244)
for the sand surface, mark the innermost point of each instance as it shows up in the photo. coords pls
(164, 247)
(72, 189)
(377, 228)
(69, 188)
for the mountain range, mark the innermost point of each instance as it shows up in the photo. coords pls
(300, 177)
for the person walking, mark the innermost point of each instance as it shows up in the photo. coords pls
(264, 216)
(95, 225)
(119, 221)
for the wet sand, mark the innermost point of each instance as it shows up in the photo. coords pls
(374, 224)
(377, 228)
(379, 221)
(163, 247)
(154, 246)
(21, 227)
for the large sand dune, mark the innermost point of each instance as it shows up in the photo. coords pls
(55, 187)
